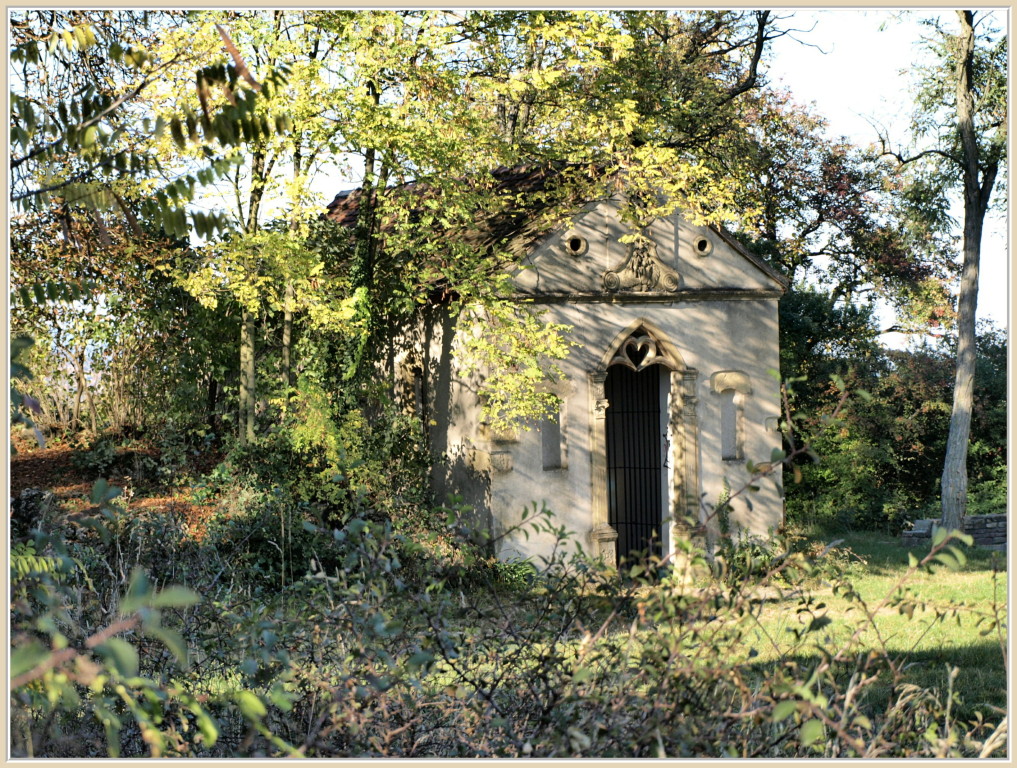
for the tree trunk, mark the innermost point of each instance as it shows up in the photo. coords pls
(76, 412)
(289, 296)
(258, 182)
(247, 377)
(287, 335)
(211, 403)
(79, 379)
(93, 414)
(976, 198)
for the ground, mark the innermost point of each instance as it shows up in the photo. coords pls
(52, 469)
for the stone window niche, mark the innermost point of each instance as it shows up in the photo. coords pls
(552, 442)
(731, 388)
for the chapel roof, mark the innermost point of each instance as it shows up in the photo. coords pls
(534, 201)
(527, 198)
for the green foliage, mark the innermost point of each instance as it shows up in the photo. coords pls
(989, 494)
(97, 459)
(345, 456)
(61, 666)
(19, 401)
(518, 353)
(740, 560)
(341, 614)
(78, 137)
(397, 650)
(882, 457)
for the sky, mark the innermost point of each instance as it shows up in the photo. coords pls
(857, 75)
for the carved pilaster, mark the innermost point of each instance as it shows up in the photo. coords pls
(676, 430)
(690, 420)
(597, 396)
(603, 544)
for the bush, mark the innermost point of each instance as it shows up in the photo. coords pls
(988, 495)
(328, 627)
(97, 459)
(351, 658)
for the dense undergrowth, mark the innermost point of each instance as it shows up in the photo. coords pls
(285, 632)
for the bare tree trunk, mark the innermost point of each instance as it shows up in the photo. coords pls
(289, 294)
(79, 380)
(978, 183)
(212, 402)
(93, 414)
(247, 377)
(258, 182)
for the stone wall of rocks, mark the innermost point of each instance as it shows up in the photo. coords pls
(988, 531)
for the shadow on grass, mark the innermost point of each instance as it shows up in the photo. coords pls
(980, 685)
(884, 555)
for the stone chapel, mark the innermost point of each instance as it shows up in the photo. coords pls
(671, 388)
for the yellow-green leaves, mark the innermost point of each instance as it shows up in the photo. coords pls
(518, 352)
(27, 657)
(251, 707)
(783, 710)
(77, 38)
(120, 655)
(812, 731)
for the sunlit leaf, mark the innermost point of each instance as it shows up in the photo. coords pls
(812, 731)
(121, 655)
(251, 707)
(783, 710)
(27, 657)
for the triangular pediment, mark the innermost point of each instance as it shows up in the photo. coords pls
(588, 258)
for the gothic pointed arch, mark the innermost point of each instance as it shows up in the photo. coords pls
(638, 346)
(641, 345)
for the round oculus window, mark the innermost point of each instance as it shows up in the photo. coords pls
(575, 245)
(702, 245)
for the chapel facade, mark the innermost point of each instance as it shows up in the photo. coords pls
(671, 387)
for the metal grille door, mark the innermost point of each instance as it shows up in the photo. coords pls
(635, 508)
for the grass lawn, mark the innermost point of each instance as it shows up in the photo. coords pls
(949, 626)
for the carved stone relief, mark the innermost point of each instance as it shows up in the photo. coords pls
(642, 271)
(639, 351)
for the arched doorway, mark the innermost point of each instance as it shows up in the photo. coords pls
(636, 437)
(644, 445)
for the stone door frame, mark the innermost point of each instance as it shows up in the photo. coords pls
(683, 433)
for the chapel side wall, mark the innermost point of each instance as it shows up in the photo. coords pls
(750, 329)
(460, 473)
(519, 481)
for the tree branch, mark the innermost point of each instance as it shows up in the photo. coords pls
(749, 80)
(901, 160)
(66, 654)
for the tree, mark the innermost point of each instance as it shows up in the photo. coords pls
(830, 213)
(269, 175)
(963, 111)
(89, 107)
(443, 102)
(81, 135)
(430, 101)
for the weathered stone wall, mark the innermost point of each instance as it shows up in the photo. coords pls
(988, 531)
